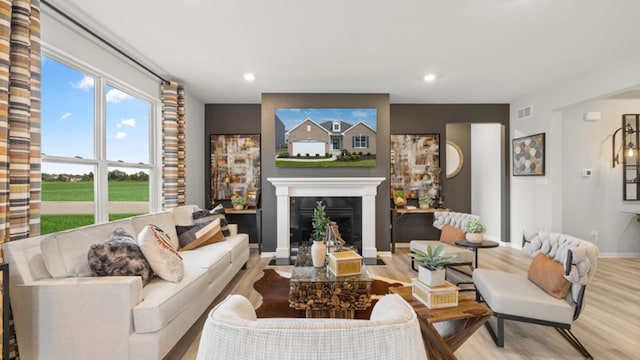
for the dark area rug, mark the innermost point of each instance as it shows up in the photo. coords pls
(275, 296)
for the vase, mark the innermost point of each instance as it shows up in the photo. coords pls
(238, 207)
(474, 237)
(431, 277)
(318, 253)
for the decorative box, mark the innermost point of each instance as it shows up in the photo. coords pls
(345, 263)
(435, 297)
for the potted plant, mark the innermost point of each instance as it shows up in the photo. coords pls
(425, 201)
(474, 229)
(319, 222)
(432, 262)
(239, 202)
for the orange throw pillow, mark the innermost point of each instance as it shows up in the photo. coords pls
(450, 234)
(549, 276)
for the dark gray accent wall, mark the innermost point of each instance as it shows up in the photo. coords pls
(457, 190)
(271, 101)
(448, 120)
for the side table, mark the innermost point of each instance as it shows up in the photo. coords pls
(484, 244)
(467, 317)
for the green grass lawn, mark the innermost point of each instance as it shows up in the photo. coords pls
(83, 191)
(360, 163)
(54, 223)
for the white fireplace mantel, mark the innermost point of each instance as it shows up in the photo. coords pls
(364, 187)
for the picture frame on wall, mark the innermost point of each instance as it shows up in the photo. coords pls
(528, 155)
(415, 164)
(235, 165)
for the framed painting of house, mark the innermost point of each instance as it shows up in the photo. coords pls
(235, 165)
(325, 137)
(528, 155)
(415, 164)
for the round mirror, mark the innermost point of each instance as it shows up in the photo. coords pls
(454, 159)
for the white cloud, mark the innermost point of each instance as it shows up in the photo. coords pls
(128, 122)
(120, 135)
(115, 96)
(65, 115)
(85, 84)
(118, 126)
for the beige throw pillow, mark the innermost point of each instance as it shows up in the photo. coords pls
(163, 258)
(549, 276)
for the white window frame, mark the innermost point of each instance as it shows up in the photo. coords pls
(100, 164)
(360, 139)
(336, 126)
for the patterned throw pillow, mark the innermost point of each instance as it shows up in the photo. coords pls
(163, 258)
(197, 235)
(119, 255)
(549, 276)
(216, 213)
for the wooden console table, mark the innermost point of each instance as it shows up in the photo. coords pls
(467, 317)
(397, 213)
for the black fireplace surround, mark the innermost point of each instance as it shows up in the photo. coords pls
(345, 211)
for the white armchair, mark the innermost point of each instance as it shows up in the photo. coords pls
(232, 331)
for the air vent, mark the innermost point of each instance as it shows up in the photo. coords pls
(524, 112)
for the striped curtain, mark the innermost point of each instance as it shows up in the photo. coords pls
(173, 145)
(20, 182)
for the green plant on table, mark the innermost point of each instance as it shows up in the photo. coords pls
(432, 259)
(239, 201)
(319, 222)
(425, 199)
(474, 226)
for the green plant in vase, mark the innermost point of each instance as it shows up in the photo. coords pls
(425, 201)
(474, 229)
(239, 202)
(319, 223)
(432, 263)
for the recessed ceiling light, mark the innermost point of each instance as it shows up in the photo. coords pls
(249, 76)
(429, 77)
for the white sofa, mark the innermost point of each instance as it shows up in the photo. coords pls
(61, 312)
(232, 331)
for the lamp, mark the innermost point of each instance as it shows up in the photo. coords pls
(628, 130)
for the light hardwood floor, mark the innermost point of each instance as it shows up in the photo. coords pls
(609, 325)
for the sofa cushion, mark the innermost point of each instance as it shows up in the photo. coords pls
(164, 301)
(119, 255)
(65, 252)
(163, 258)
(450, 234)
(197, 235)
(513, 294)
(209, 255)
(163, 220)
(459, 255)
(549, 276)
(182, 215)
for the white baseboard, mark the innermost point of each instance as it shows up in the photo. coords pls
(268, 254)
(619, 255)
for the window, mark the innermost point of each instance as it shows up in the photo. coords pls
(336, 126)
(97, 147)
(360, 142)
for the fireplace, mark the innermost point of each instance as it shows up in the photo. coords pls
(344, 211)
(364, 188)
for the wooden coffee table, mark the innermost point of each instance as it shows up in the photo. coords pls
(324, 295)
(463, 319)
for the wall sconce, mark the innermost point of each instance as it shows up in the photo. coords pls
(628, 130)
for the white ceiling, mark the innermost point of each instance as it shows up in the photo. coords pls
(483, 51)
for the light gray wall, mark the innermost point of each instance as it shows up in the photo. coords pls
(271, 101)
(485, 169)
(595, 203)
(196, 151)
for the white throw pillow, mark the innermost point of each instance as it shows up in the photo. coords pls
(163, 258)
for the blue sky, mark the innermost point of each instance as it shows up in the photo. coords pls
(293, 116)
(68, 112)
